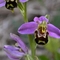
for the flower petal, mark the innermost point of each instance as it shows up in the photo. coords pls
(2, 1)
(11, 58)
(20, 42)
(27, 28)
(23, 1)
(43, 18)
(36, 19)
(53, 29)
(54, 35)
(2, 4)
(15, 54)
(11, 47)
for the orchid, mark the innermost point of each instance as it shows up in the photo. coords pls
(11, 4)
(17, 51)
(42, 25)
(3, 2)
(45, 34)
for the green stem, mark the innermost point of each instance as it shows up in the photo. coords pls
(32, 46)
(25, 12)
(31, 41)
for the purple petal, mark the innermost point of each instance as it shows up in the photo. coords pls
(53, 29)
(2, 4)
(1, 1)
(43, 18)
(54, 35)
(11, 58)
(12, 52)
(20, 42)
(11, 47)
(23, 1)
(27, 28)
(36, 19)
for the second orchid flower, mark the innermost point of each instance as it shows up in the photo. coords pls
(17, 51)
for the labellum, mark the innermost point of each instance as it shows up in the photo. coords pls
(41, 34)
(11, 4)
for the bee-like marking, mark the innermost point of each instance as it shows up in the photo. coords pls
(11, 4)
(20, 50)
(42, 39)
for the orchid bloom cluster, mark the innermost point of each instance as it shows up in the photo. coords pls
(40, 27)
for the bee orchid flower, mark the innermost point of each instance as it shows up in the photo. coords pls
(30, 27)
(10, 4)
(17, 51)
(41, 28)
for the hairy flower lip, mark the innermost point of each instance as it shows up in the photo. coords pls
(23, 29)
(2, 2)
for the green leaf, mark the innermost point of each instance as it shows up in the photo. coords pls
(43, 57)
(56, 56)
(52, 45)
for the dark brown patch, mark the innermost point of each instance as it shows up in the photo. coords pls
(13, 3)
(41, 40)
